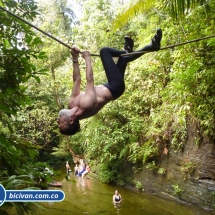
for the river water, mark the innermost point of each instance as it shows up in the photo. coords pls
(90, 196)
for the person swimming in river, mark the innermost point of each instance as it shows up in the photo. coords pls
(117, 199)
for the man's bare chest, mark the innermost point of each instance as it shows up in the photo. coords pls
(75, 101)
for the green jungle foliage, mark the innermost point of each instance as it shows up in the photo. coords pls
(165, 90)
(23, 135)
(177, 10)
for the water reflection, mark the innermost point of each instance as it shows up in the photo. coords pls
(83, 183)
(117, 207)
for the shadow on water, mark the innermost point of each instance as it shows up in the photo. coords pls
(89, 196)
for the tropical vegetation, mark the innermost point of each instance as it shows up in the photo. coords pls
(165, 90)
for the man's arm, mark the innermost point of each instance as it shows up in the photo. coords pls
(76, 73)
(89, 77)
(90, 93)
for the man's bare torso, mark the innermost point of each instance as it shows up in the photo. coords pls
(103, 96)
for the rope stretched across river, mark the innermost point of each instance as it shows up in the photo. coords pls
(68, 46)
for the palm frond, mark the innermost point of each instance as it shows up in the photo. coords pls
(179, 8)
(135, 9)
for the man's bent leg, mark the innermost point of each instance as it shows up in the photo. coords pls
(115, 78)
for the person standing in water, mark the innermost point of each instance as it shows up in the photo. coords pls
(76, 169)
(68, 170)
(87, 170)
(117, 199)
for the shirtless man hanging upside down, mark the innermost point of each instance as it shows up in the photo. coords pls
(88, 103)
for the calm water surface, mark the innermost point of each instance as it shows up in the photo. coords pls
(89, 196)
